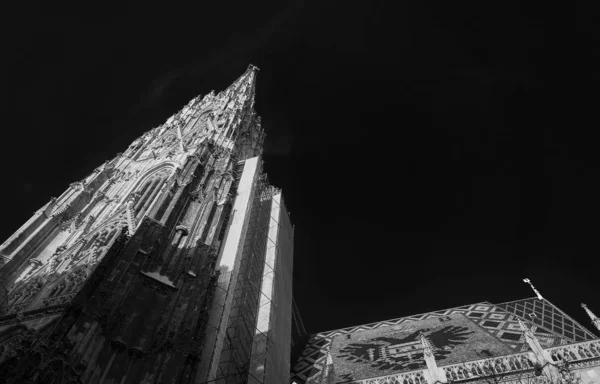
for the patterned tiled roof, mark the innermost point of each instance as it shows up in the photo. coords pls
(550, 325)
(548, 316)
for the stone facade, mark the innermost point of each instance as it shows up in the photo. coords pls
(526, 341)
(152, 268)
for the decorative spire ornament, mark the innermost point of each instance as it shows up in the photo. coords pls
(595, 319)
(428, 348)
(541, 355)
(328, 372)
(433, 374)
(539, 295)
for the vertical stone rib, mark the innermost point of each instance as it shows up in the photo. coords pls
(204, 218)
(209, 222)
(153, 191)
(162, 200)
(91, 356)
(157, 197)
(114, 192)
(31, 247)
(180, 232)
(124, 378)
(23, 233)
(145, 191)
(84, 343)
(214, 229)
(108, 366)
(164, 217)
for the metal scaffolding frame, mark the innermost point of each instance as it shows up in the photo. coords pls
(236, 354)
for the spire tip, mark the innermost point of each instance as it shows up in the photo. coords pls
(538, 294)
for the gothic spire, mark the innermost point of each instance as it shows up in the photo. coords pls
(539, 295)
(247, 79)
(242, 91)
(595, 319)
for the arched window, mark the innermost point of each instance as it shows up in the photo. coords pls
(164, 204)
(149, 193)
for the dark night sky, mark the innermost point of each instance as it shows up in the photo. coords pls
(432, 154)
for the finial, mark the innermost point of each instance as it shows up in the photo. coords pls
(436, 375)
(541, 355)
(524, 327)
(329, 358)
(428, 348)
(328, 372)
(595, 319)
(539, 295)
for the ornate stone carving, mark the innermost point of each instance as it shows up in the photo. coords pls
(56, 214)
(77, 277)
(197, 196)
(576, 352)
(78, 185)
(90, 220)
(415, 377)
(183, 230)
(487, 367)
(58, 300)
(131, 220)
(35, 263)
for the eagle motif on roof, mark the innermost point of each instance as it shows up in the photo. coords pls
(406, 353)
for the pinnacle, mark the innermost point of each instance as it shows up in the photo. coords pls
(246, 82)
(589, 312)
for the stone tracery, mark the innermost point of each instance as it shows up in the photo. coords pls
(65, 276)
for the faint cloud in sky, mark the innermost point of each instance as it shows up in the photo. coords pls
(241, 47)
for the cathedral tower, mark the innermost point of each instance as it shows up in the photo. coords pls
(171, 263)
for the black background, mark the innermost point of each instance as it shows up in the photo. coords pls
(432, 154)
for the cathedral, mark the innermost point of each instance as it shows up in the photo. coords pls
(170, 263)
(173, 262)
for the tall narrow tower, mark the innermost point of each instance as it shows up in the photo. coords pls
(170, 263)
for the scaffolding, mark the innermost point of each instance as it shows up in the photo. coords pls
(241, 328)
